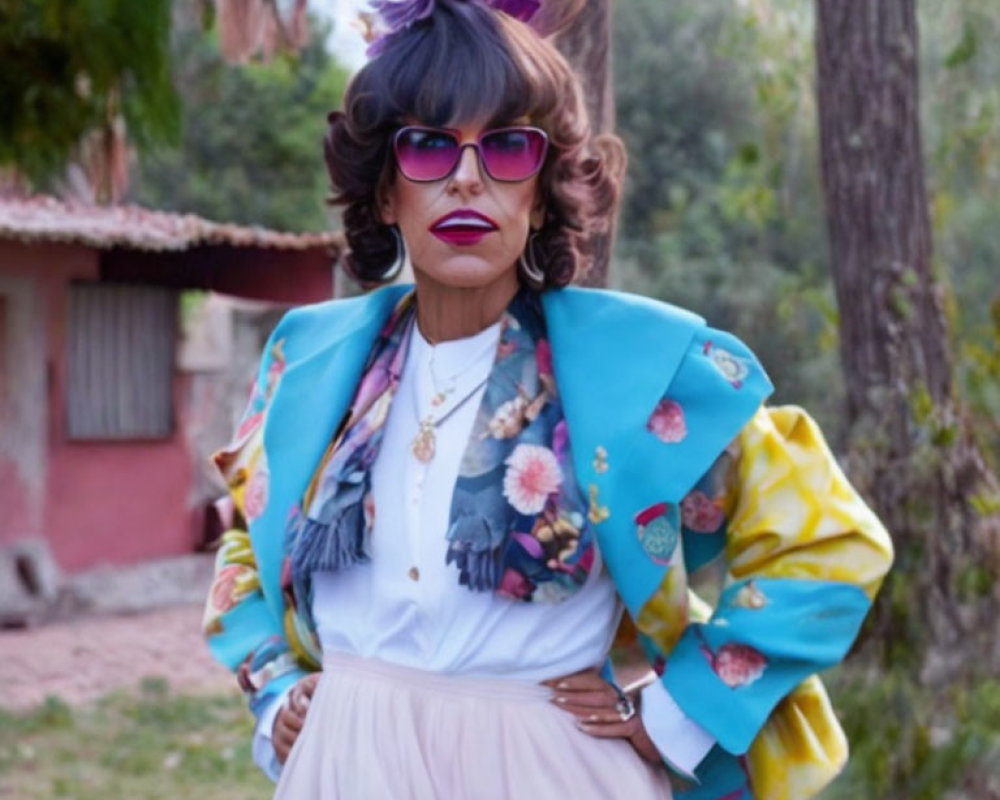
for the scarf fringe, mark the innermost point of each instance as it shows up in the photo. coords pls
(330, 546)
(477, 569)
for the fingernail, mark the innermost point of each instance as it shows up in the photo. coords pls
(562, 685)
(583, 726)
(593, 718)
(561, 699)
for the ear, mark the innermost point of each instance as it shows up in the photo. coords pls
(537, 216)
(385, 205)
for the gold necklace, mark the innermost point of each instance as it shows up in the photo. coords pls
(425, 442)
(439, 395)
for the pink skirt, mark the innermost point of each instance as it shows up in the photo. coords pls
(377, 731)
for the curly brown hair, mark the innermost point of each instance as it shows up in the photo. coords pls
(464, 63)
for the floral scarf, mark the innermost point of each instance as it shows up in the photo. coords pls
(518, 523)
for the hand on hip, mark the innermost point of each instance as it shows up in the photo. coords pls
(292, 716)
(603, 711)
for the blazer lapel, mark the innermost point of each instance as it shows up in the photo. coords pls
(614, 357)
(326, 349)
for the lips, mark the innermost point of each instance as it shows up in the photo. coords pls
(463, 227)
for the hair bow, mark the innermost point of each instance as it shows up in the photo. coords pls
(397, 15)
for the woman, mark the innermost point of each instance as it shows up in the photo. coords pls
(453, 493)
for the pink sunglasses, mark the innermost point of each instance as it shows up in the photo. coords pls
(506, 154)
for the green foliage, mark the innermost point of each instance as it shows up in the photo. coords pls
(964, 51)
(151, 744)
(961, 124)
(251, 149)
(68, 64)
(910, 742)
(974, 581)
(678, 108)
(986, 503)
(722, 208)
(979, 373)
(52, 714)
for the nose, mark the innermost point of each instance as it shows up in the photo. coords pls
(468, 174)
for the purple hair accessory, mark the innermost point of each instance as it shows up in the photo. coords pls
(398, 15)
(523, 10)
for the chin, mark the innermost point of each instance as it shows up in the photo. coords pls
(467, 272)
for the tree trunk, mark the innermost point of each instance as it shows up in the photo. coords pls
(586, 43)
(912, 452)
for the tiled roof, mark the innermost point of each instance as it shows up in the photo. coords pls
(47, 219)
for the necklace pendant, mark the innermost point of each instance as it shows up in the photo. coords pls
(424, 442)
(439, 398)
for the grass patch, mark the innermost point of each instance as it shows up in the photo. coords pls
(149, 744)
(911, 742)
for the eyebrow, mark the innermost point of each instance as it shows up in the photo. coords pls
(506, 122)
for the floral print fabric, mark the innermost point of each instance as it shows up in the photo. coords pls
(517, 523)
(517, 516)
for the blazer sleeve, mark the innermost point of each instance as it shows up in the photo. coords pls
(804, 556)
(241, 631)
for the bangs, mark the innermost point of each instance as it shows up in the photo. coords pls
(459, 66)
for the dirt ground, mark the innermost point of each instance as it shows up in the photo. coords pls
(82, 659)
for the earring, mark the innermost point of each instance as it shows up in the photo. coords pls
(399, 262)
(526, 261)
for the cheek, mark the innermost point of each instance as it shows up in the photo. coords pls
(519, 210)
(407, 204)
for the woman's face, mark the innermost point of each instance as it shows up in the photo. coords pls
(430, 216)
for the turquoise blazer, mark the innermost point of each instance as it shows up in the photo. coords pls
(615, 357)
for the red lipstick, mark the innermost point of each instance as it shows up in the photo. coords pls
(463, 227)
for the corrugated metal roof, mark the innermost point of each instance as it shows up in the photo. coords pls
(47, 219)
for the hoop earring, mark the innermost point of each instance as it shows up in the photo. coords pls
(526, 262)
(399, 261)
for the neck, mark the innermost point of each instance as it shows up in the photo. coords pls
(448, 312)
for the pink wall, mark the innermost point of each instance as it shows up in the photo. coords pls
(120, 502)
(102, 503)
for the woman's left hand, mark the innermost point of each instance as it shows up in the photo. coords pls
(594, 702)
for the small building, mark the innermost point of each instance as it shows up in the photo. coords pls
(105, 420)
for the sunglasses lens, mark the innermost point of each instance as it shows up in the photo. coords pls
(426, 155)
(513, 154)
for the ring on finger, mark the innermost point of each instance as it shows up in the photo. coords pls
(625, 708)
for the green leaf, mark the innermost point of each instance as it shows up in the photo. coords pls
(964, 51)
(76, 59)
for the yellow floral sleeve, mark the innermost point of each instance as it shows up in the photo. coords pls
(795, 515)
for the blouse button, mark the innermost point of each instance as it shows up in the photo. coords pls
(414, 574)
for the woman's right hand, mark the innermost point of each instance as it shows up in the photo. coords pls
(292, 715)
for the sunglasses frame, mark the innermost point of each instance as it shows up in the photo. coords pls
(477, 144)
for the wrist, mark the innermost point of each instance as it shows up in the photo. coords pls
(644, 746)
(640, 738)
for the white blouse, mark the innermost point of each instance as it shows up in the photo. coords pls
(406, 606)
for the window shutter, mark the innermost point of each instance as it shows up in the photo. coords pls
(120, 354)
